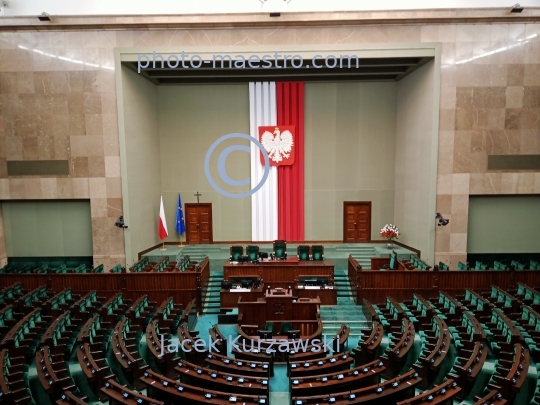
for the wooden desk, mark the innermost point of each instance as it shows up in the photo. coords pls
(68, 398)
(389, 393)
(320, 366)
(226, 382)
(181, 393)
(239, 367)
(229, 298)
(438, 397)
(280, 273)
(492, 398)
(396, 355)
(368, 347)
(123, 395)
(361, 376)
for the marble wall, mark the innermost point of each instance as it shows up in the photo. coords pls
(58, 101)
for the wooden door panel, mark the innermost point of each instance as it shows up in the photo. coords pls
(199, 224)
(356, 221)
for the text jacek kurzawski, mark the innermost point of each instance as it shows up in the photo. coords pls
(254, 345)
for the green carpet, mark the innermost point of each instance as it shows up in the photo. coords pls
(279, 382)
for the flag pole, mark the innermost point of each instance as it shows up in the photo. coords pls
(163, 246)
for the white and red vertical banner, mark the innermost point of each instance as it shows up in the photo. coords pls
(277, 121)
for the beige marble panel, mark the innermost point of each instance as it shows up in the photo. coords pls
(444, 183)
(442, 242)
(525, 183)
(81, 188)
(458, 243)
(536, 183)
(476, 185)
(49, 188)
(114, 187)
(112, 166)
(98, 207)
(5, 193)
(97, 187)
(509, 183)
(492, 183)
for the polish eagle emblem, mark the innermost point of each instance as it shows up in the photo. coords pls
(278, 143)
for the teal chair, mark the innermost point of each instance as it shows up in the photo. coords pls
(303, 252)
(280, 249)
(285, 328)
(443, 266)
(236, 252)
(269, 327)
(252, 252)
(462, 266)
(393, 262)
(317, 252)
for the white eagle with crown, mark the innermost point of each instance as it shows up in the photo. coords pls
(278, 146)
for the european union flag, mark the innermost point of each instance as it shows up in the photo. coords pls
(180, 224)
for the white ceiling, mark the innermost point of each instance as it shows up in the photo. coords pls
(141, 7)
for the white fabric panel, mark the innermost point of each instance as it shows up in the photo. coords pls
(262, 111)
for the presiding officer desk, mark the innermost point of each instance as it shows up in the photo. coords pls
(285, 273)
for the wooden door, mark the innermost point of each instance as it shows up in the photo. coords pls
(356, 221)
(198, 223)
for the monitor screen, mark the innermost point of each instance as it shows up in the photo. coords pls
(226, 285)
(293, 334)
(264, 334)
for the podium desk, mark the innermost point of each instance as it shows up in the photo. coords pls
(229, 298)
(278, 305)
(280, 273)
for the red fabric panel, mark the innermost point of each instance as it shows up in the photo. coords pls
(290, 111)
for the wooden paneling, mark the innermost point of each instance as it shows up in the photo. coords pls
(378, 262)
(280, 271)
(182, 286)
(375, 286)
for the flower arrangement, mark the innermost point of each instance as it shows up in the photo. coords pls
(390, 232)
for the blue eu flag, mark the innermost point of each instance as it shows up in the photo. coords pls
(180, 224)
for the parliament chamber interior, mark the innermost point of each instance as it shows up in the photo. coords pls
(270, 202)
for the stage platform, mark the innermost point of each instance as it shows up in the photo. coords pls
(338, 253)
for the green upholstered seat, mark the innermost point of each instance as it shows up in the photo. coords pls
(280, 248)
(317, 252)
(285, 327)
(236, 252)
(269, 327)
(252, 252)
(303, 252)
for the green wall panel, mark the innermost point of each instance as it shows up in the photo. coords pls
(504, 224)
(47, 228)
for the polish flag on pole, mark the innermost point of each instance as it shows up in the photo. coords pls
(162, 222)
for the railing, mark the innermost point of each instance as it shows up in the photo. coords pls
(182, 286)
(376, 285)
